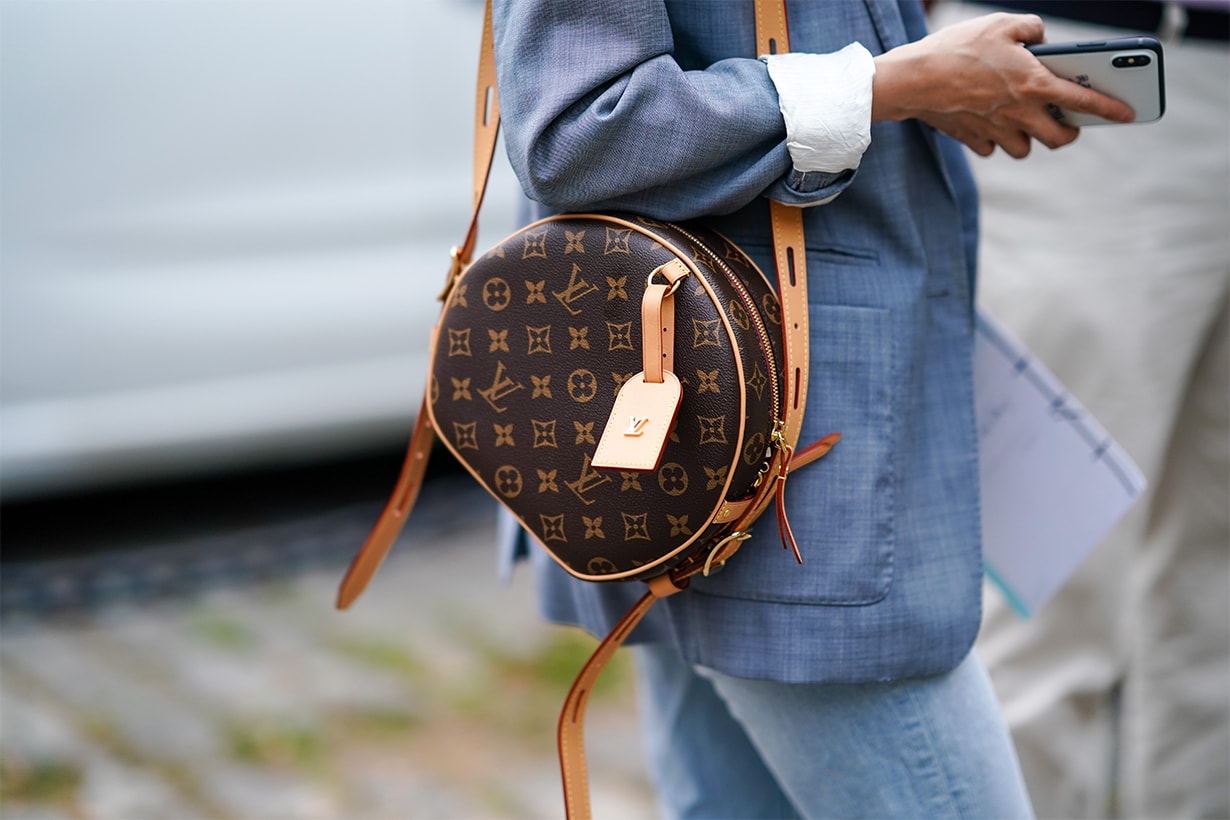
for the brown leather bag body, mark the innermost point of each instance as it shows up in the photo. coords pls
(544, 386)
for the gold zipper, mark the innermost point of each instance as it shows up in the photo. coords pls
(753, 312)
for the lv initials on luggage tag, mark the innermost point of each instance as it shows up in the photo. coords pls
(640, 424)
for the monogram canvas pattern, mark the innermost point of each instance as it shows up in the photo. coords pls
(536, 340)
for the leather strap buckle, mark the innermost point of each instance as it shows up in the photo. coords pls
(674, 272)
(456, 266)
(725, 548)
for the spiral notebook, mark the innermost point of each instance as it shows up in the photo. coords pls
(1053, 481)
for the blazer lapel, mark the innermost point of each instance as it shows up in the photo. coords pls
(887, 19)
(898, 23)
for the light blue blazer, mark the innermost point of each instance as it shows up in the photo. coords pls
(657, 107)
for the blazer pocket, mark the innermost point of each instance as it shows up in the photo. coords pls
(840, 507)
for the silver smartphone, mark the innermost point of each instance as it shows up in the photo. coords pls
(1126, 68)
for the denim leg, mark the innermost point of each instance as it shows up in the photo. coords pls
(932, 747)
(701, 761)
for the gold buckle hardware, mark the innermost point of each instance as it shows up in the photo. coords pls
(740, 536)
(674, 286)
(454, 270)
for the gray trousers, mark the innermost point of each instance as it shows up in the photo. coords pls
(1110, 258)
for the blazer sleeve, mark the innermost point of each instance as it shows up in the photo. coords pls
(598, 114)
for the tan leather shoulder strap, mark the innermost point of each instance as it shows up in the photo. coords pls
(773, 37)
(486, 129)
(789, 250)
(372, 554)
(791, 254)
(570, 730)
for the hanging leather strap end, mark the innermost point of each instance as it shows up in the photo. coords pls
(374, 550)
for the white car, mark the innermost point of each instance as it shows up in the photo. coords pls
(223, 226)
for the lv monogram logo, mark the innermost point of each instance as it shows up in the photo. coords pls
(636, 425)
(589, 480)
(501, 387)
(577, 287)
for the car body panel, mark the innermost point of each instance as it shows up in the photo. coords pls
(222, 228)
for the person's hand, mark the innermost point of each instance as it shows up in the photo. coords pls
(976, 82)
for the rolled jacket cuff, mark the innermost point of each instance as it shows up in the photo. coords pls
(807, 188)
(825, 100)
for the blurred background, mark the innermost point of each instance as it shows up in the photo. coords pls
(223, 223)
(222, 227)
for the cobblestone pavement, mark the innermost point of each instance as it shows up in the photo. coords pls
(250, 697)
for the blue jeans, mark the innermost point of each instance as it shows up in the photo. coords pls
(725, 747)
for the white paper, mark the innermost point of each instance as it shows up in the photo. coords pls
(1053, 480)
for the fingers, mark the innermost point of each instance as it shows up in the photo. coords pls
(974, 134)
(1054, 134)
(1087, 101)
(1012, 140)
(980, 145)
(1075, 97)
(1016, 144)
(1038, 123)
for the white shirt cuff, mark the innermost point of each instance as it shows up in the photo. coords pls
(825, 100)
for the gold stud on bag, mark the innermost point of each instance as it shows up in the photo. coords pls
(631, 390)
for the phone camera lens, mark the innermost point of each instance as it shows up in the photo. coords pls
(1131, 61)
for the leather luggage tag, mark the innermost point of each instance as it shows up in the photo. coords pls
(639, 424)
